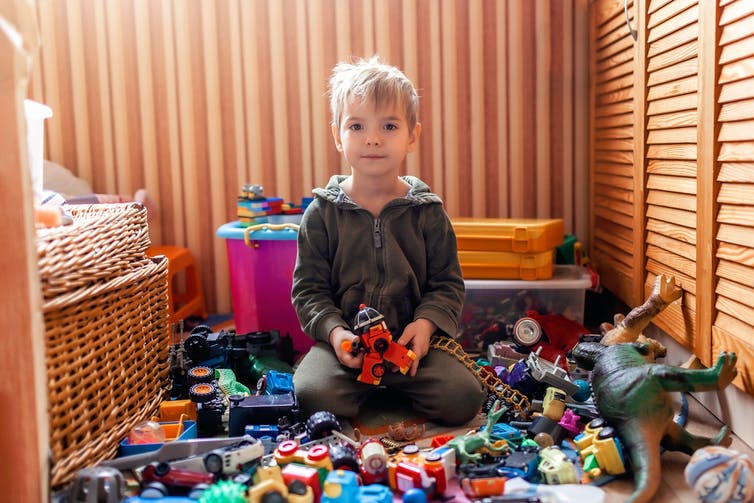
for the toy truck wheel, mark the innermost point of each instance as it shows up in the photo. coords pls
(161, 469)
(596, 423)
(297, 487)
(154, 490)
(273, 496)
(213, 462)
(200, 374)
(321, 424)
(606, 432)
(196, 492)
(197, 347)
(202, 392)
(201, 330)
(344, 457)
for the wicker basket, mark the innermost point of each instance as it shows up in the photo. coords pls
(106, 344)
(104, 241)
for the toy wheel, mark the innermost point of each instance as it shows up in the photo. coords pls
(213, 462)
(161, 469)
(196, 347)
(381, 345)
(597, 422)
(200, 374)
(196, 492)
(297, 487)
(202, 392)
(154, 490)
(272, 496)
(321, 424)
(606, 432)
(378, 370)
(257, 338)
(344, 457)
(201, 330)
(527, 332)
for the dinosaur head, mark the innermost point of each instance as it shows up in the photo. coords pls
(493, 416)
(586, 354)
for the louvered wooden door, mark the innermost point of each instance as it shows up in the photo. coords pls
(672, 74)
(733, 245)
(688, 171)
(616, 180)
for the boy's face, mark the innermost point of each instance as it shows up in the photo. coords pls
(375, 140)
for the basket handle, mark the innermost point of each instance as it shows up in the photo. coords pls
(270, 227)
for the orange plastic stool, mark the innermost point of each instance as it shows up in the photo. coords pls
(182, 303)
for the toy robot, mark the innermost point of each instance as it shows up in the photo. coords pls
(376, 342)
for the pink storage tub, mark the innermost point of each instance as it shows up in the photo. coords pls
(261, 260)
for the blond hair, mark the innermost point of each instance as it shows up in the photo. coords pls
(373, 80)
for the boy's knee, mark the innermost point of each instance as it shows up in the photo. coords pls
(463, 410)
(456, 404)
(314, 395)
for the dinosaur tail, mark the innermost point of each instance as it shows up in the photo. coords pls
(644, 451)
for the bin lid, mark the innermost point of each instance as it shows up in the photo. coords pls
(564, 277)
(275, 232)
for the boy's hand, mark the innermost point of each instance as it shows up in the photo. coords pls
(416, 337)
(338, 336)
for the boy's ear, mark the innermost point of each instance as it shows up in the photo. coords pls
(413, 139)
(336, 137)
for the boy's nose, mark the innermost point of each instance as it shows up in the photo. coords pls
(373, 139)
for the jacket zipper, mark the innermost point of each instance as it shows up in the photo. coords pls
(377, 241)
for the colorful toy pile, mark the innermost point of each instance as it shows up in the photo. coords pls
(547, 434)
(254, 208)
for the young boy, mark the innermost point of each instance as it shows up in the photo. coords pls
(383, 240)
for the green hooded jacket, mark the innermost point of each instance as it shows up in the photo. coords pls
(403, 263)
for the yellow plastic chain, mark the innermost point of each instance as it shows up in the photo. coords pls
(501, 390)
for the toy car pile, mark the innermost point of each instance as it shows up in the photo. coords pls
(543, 438)
(251, 440)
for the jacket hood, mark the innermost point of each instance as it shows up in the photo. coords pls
(419, 193)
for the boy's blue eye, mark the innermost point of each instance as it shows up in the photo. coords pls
(391, 127)
(355, 127)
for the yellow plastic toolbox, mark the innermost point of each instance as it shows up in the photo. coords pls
(506, 265)
(508, 235)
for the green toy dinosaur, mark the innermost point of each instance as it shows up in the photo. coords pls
(633, 397)
(470, 447)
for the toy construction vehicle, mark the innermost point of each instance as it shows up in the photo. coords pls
(378, 346)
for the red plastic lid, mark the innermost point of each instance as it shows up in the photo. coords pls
(317, 453)
(287, 447)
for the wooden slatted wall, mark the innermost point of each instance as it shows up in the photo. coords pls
(616, 189)
(687, 171)
(733, 324)
(193, 99)
(672, 68)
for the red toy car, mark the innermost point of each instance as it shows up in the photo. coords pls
(160, 479)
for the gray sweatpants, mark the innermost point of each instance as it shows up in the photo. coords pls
(443, 390)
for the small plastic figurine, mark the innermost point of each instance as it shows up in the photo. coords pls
(629, 328)
(468, 447)
(378, 346)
